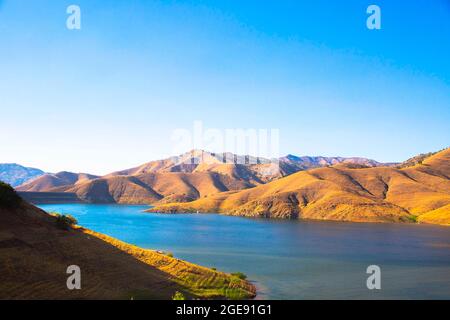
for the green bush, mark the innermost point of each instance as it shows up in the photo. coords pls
(65, 222)
(8, 196)
(178, 296)
(239, 275)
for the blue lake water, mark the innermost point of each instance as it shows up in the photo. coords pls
(289, 259)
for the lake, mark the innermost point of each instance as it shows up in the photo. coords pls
(289, 259)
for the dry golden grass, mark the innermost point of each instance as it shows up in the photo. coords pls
(199, 281)
(34, 256)
(345, 193)
(438, 216)
(148, 188)
(49, 181)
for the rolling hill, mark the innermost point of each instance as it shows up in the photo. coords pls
(190, 176)
(149, 188)
(292, 163)
(35, 254)
(15, 174)
(344, 192)
(49, 181)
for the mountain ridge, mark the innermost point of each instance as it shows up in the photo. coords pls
(16, 174)
(378, 194)
(50, 181)
(190, 176)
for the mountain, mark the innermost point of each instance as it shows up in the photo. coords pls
(15, 174)
(50, 181)
(192, 161)
(149, 188)
(416, 160)
(344, 192)
(190, 176)
(258, 169)
(35, 253)
(306, 162)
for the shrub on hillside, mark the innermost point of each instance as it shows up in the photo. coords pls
(8, 196)
(178, 296)
(65, 222)
(239, 275)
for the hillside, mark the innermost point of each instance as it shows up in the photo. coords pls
(293, 163)
(35, 253)
(418, 159)
(150, 188)
(194, 160)
(190, 176)
(48, 182)
(343, 192)
(15, 174)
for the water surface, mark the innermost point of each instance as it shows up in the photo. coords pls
(289, 259)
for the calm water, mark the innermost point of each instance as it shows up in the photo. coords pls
(290, 259)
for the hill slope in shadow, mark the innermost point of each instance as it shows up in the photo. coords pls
(35, 254)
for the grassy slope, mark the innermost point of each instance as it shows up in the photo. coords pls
(153, 187)
(34, 255)
(197, 280)
(146, 188)
(438, 216)
(382, 194)
(49, 181)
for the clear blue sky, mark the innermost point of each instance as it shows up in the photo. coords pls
(109, 96)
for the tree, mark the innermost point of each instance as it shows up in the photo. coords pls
(8, 196)
(65, 222)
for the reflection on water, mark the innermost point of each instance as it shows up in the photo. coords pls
(290, 259)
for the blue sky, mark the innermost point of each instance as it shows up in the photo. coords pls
(110, 95)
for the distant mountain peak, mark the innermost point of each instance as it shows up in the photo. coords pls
(16, 174)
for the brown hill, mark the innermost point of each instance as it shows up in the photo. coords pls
(35, 254)
(190, 176)
(291, 164)
(191, 161)
(48, 182)
(346, 193)
(418, 159)
(255, 170)
(148, 188)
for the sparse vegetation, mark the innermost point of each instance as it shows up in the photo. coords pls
(8, 196)
(417, 160)
(196, 280)
(64, 222)
(239, 275)
(178, 296)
